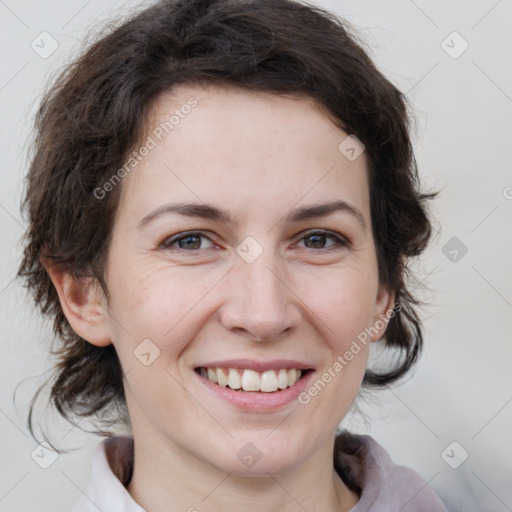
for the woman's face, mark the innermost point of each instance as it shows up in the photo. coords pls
(251, 293)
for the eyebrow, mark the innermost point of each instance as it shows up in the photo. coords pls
(207, 211)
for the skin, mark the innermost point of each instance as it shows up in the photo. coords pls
(258, 156)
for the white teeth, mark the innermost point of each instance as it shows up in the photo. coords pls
(234, 379)
(211, 374)
(282, 379)
(222, 378)
(250, 380)
(268, 381)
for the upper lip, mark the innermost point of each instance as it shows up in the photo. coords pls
(258, 366)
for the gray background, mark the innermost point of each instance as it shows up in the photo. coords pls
(461, 391)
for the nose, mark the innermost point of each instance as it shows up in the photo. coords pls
(259, 300)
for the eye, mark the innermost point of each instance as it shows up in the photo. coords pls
(318, 239)
(190, 241)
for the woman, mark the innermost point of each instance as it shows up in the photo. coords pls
(223, 200)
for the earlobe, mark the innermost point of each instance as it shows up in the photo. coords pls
(83, 303)
(383, 312)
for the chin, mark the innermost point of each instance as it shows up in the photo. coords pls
(257, 454)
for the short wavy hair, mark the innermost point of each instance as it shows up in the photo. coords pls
(93, 116)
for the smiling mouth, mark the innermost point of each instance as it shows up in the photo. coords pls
(237, 379)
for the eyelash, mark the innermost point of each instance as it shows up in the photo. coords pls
(168, 242)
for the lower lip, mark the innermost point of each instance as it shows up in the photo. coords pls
(258, 400)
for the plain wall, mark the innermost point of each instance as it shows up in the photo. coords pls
(461, 391)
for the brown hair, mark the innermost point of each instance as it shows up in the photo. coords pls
(93, 116)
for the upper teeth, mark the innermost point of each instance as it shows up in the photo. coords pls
(250, 380)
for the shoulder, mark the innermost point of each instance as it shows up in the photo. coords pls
(365, 466)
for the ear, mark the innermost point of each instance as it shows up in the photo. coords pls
(383, 311)
(84, 304)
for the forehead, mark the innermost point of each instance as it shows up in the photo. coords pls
(211, 143)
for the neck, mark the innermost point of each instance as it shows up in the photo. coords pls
(165, 477)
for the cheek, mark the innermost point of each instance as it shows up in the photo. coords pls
(342, 304)
(155, 303)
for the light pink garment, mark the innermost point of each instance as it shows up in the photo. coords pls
(361, 462)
